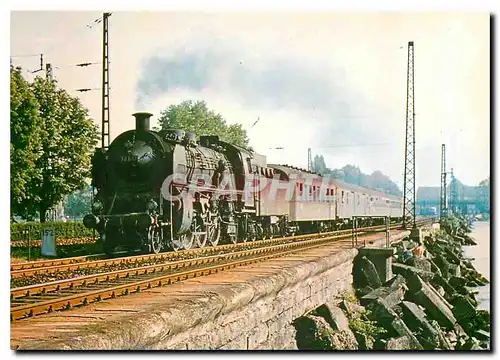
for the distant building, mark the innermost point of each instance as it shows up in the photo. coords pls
(470, 199)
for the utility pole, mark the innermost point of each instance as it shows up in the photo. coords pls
(48, 71)
(105, 83)
(409, 177)
(41, 65)
(442, 202)
(309, 160)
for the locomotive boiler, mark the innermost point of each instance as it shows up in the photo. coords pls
(161, 190)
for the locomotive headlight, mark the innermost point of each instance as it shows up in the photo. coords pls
(151, 205)
(97, 206)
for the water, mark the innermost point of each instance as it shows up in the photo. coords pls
(481, 254)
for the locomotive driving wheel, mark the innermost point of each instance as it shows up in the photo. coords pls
(154, 239)
(199, 239)
(213, 232)
(183, 242)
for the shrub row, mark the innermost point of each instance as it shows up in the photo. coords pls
(63, 230)
(60, 242)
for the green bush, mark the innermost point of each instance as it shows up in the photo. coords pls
(64, 230)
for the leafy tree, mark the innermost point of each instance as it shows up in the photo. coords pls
(197, 118)
(319, 165)
(25, 144)
(484, 195)
(61, 158)
(79, 203)
(377, 181)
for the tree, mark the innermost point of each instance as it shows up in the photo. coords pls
(377, 181)
(196, 117)
(484, 195)
(61, 158)
(24, 144)
(319, 165)
(79, 203)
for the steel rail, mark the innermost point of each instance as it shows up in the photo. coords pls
(77, 263)
(26, 269)
(37, 295)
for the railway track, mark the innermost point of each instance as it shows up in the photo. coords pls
(78, 264)
(45, 298)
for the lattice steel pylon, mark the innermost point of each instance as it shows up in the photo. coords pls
(105, 82)
(409, 177)
(453, 193)
(309, 160)
(442, 202)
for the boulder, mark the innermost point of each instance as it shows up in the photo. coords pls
(419, 263)
(313, 333)
(400, 327)
(463, 309)
(390, 296)
(406, 271)
(382, 313)
(482, 335)
(434, 304)
(365, 273)
(443, 341)
(400, 343)
(415, 318)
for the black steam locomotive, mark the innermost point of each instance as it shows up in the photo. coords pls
(166, 190)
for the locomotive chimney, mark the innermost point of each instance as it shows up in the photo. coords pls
(142, 121)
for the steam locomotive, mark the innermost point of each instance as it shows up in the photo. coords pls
(165, 190)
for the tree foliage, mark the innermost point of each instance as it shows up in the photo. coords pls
(352, 174)
(79, 203)
(25, 143)
(59, 157)
(196, 117)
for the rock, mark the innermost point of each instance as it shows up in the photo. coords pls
(434, 268)
(400, 327)
(435, 305)
(313, 333)
(419, 263)
(454, 270)
(334, 316)
(344, 340)
(440, 290)
(471, 344)
(441, 281)
(351, 308)
(400, 343)
(382, 313)
(463, 309)
(443, 264)
(395, 282)
(363, 291)
(443, 341)
(390, 296)
(461, 334)
(451, 256)
(457, 281)
(482, 335)
(406, 271)
(365, 273)
(381, 259)
(415, 318)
